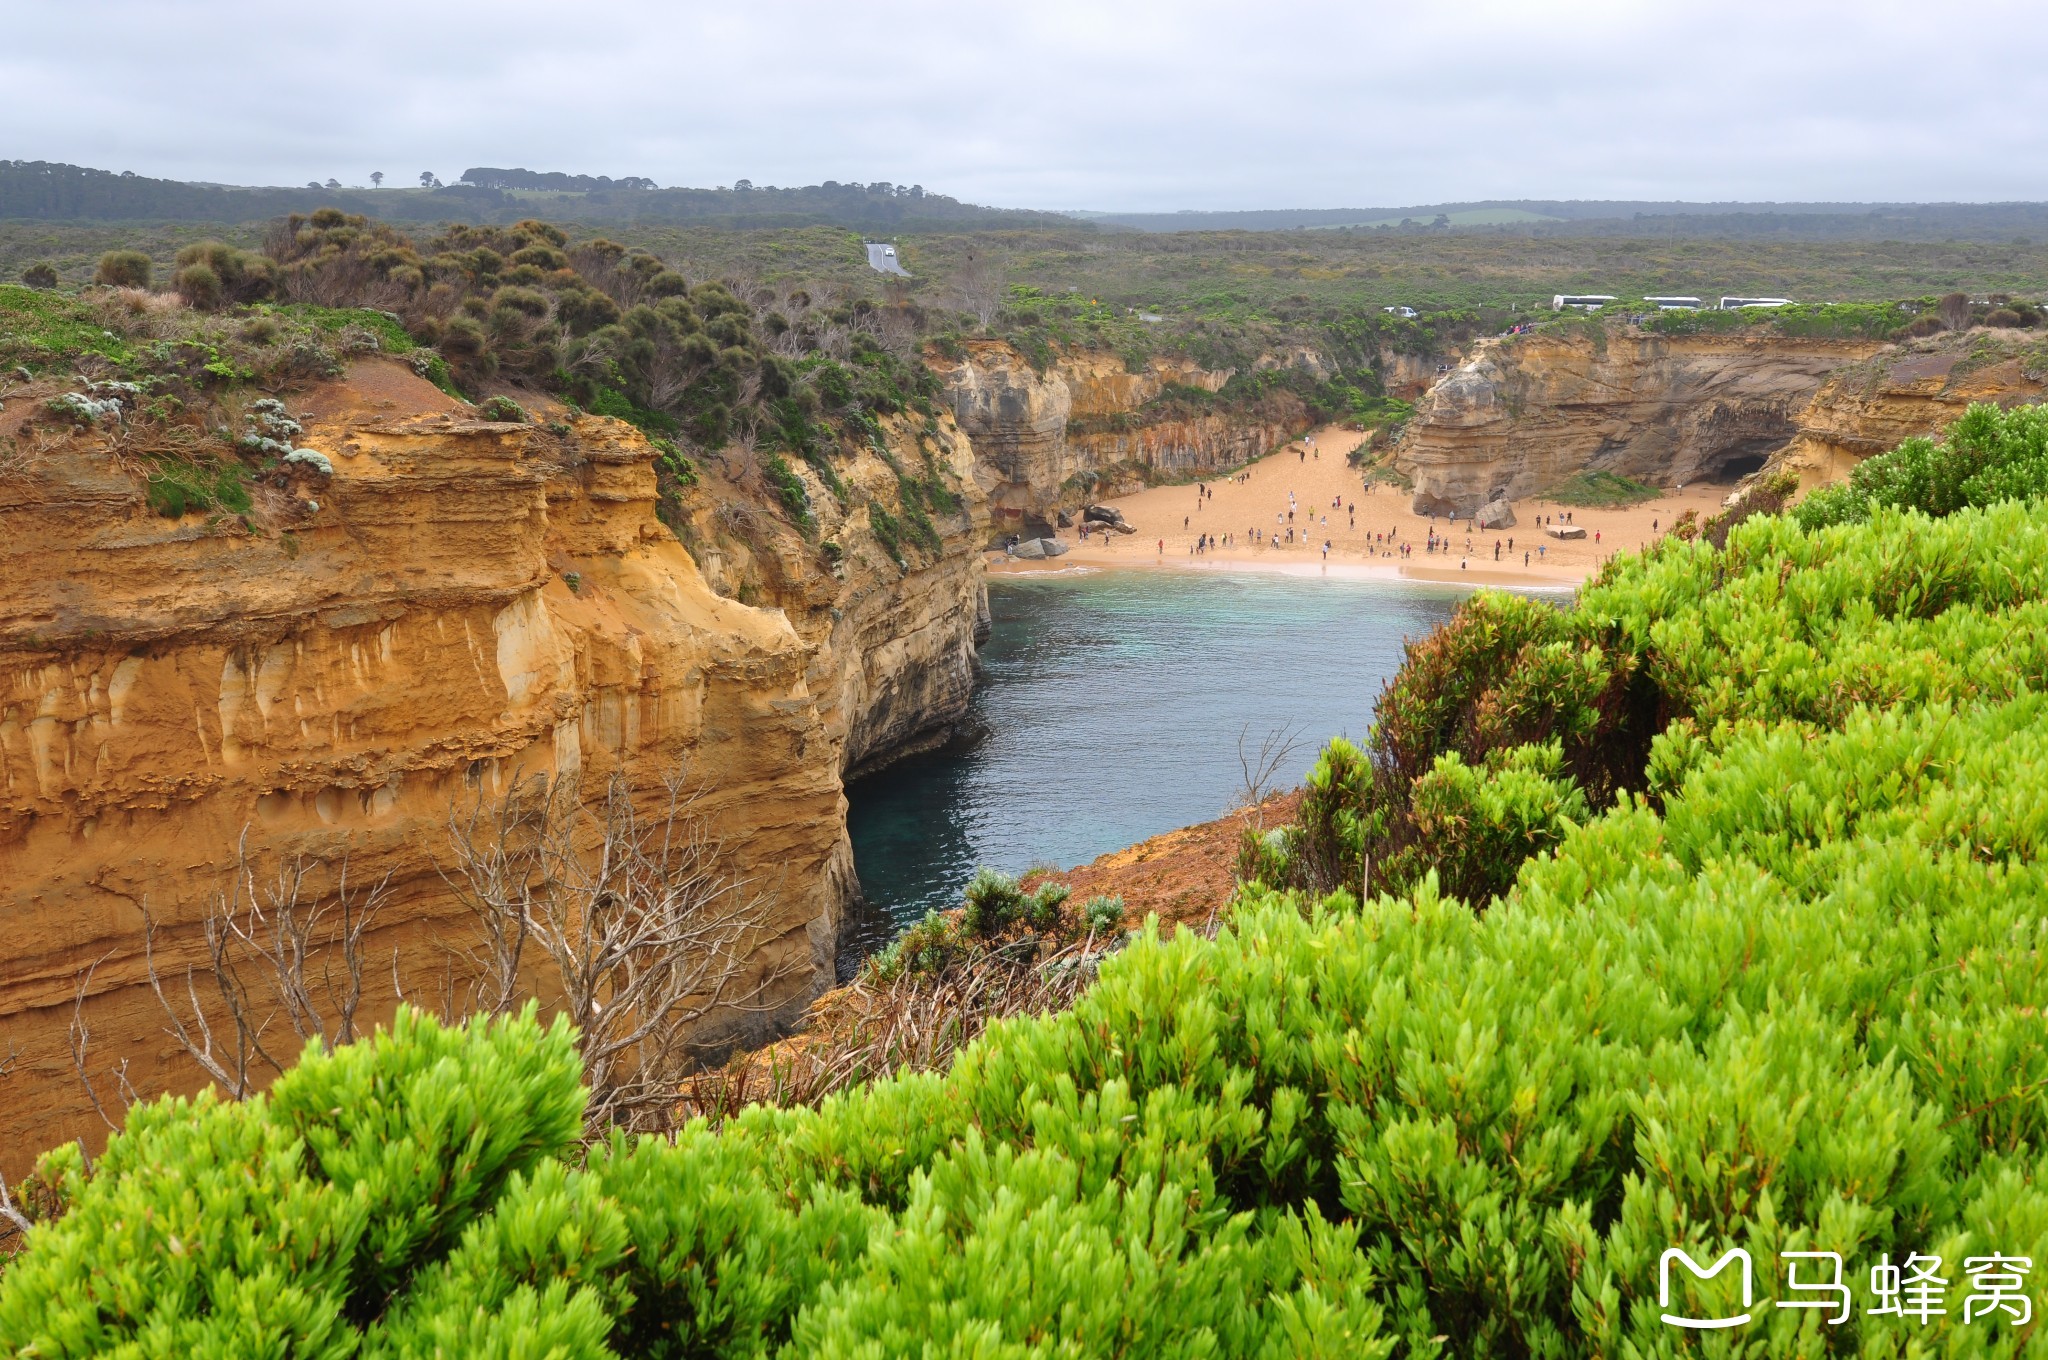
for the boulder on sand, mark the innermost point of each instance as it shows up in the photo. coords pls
(1053, 547)
(1497, 514)
(1109, 517)
(1030, 549)
(1564, 531)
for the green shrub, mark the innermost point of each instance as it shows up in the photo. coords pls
(504, 409)
(1102, 914)
(214, 274)
(1781, 624)
(123, 269)
(994, 903)
(39, 275)
(1988, 455)
(176, 488)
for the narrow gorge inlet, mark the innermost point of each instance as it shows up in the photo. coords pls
(1111, 711)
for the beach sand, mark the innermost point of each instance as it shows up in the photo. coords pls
(1253, 498)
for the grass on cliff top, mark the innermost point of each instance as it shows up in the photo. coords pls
(38, 327)
(1602, 490)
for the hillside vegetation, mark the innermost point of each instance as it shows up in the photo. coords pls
(1717, 926)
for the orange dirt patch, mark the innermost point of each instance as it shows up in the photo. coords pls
(1183, 876)
(372, 388)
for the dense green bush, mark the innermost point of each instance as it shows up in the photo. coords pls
(1987, 456)
(213, 274)
(123, 269)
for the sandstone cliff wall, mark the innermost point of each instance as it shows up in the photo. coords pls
(893, 641)
(1087, 427)
(1905, 391)
(333, 683)
(1524, 413)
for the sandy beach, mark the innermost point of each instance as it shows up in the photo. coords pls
(1366, 527)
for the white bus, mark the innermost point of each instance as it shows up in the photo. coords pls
(1673, 304)
(1730, 304)
(1585, 302)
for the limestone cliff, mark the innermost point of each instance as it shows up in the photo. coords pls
(1525, 412)
(1911, 389)
(892, 637)
(460, 601)
(1087, 426)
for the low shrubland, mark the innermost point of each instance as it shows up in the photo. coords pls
(1702, 914)
(614, 331)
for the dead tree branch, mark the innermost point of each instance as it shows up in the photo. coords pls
(1262, 767)
(636, 927)
(277, 948)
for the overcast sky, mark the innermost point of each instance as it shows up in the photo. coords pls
(1057, 104)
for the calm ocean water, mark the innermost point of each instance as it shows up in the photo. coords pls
(1111, 712)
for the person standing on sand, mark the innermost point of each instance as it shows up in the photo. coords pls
(1162, 547)
(1525, 557)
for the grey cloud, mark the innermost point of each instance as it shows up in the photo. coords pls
(1059, 103)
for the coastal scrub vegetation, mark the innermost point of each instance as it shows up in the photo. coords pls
(594, 324)
(1601, 489)
(1502, 722)
(1701, 914)
(1987, 456)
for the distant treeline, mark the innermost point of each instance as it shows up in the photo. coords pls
(48, 191)
(1592, 217)
(488, 177)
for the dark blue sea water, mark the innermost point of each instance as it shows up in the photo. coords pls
(1112, 711)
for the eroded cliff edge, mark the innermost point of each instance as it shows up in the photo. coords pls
(1087, 425)
(1525, 412)
(461, 603)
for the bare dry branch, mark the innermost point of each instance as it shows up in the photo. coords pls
(639, 930)
(1262, 767)
(916, 1022)
(274, 949)
(81, 1042)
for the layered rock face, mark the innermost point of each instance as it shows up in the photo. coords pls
(892, 643)
(1906, 391)
(468, 603)
(1047, 441)
(1525, 413)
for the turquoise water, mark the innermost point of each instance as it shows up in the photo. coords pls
(1111, 712)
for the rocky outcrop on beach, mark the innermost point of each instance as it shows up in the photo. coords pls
(1087, 426)
(1525, 412)
(462, 603)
